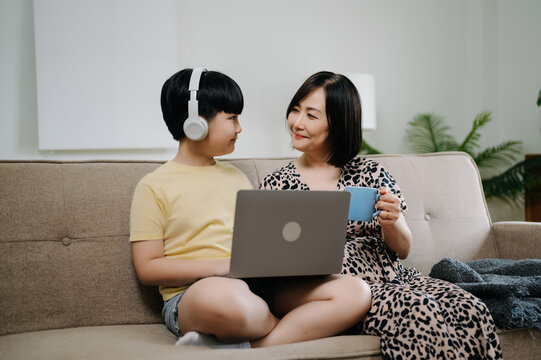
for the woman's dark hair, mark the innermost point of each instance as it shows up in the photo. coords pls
(217, 92)
(343, 109)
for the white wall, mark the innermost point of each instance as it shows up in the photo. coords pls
(517, 60)
(417, 51)
(452, 57)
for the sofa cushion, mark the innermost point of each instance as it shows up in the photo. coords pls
(65, 258)
(447, 212)
(132, 342)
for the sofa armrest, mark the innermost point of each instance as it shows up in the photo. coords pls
(517, 239)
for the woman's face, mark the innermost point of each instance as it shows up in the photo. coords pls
(308, 123)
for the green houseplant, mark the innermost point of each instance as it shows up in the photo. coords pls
(502, 178)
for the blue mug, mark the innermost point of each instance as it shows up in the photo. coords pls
(362, 203)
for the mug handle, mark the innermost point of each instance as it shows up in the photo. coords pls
(377, 212)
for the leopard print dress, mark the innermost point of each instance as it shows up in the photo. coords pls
(415, 316)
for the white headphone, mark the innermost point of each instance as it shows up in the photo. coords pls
(195, 127)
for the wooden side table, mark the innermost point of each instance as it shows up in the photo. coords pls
(532, 196)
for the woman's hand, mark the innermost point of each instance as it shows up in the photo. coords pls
(389, 206)
(395, 231)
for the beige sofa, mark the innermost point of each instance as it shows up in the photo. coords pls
(68, 288)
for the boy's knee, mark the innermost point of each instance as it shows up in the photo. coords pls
(222, 300)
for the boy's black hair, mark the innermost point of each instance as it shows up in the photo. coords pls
(217, 92)
(343, 109)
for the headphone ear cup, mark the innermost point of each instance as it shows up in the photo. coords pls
(196, 128)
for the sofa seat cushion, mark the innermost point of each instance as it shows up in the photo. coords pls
(156, 342)
(523, 344)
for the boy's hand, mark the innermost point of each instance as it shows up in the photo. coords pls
(389, 205)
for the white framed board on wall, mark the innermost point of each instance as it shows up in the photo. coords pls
(100, 66)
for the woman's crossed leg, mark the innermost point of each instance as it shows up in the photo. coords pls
(317, 307)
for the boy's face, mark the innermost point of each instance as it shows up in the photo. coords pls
(222, 135)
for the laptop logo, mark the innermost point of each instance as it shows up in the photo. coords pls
(291, 231)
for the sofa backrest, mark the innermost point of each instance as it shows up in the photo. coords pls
(65, 258)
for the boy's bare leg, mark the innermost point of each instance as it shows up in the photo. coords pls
(317, 307)
(225, 308)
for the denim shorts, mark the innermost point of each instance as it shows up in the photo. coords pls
(170, 313)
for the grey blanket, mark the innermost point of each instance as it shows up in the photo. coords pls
(511, 289)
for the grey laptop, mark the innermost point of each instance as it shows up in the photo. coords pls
(288, 233)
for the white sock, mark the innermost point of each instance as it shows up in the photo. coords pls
(198, 339)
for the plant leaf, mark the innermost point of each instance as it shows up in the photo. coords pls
(499, 155)
(471, 142)
(367, 149)
(509, 185)
(539, 99)
(506, 186)
(532, 172)
(428, 133)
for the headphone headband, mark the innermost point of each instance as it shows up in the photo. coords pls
(193, 87)
(195, 78)
(195, 127)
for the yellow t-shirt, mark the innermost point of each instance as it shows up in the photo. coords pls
(190, 208)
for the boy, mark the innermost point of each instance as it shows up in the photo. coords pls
(181, 229)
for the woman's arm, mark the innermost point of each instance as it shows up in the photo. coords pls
(153, 268)
(395, 230)
(398, 237)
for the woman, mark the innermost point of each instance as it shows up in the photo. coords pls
(415, 316)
